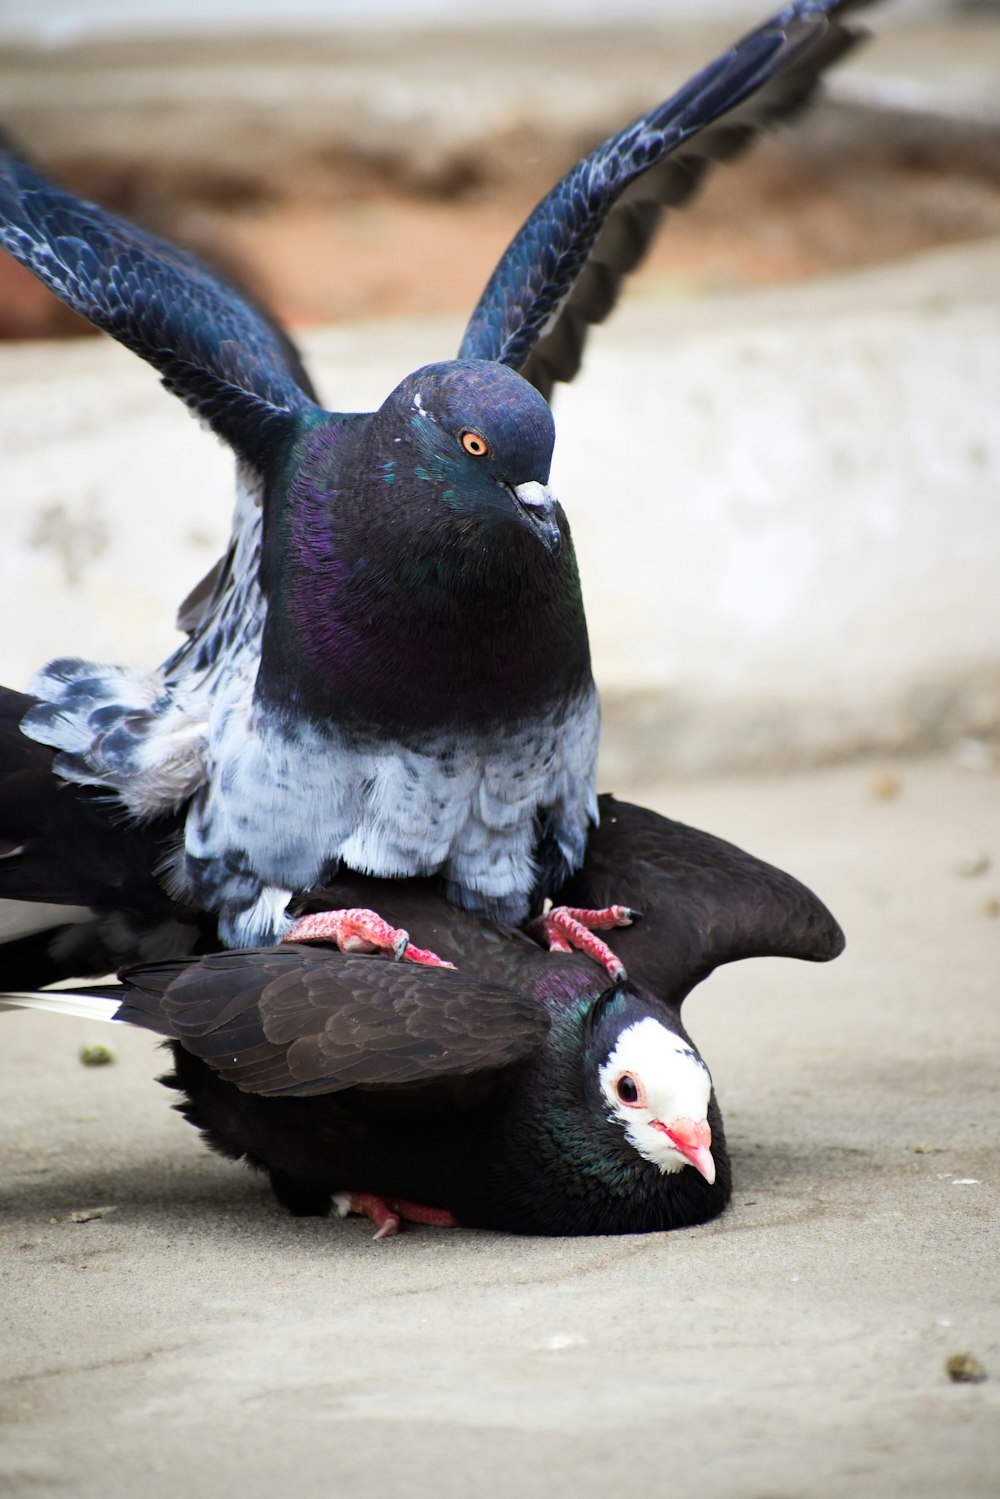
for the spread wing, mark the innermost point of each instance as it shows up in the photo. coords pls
(212, 346)
(289, 1021)
(703, 901)
(236, 370)
(563, 269)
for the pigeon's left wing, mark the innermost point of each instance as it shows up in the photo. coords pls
(295, 1022)
(562, 270)
(212, 346)
(702, 902)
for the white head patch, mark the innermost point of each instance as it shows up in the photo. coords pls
(652, 1081)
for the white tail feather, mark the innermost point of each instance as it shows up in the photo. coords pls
(63, 1002)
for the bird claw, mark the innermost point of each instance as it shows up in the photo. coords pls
(565, 928)
(361, 930)
(389, 1214)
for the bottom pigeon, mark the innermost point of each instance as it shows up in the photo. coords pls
(518, 1091)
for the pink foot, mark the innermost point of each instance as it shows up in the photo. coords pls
(564, 928)
(388, 1215)
(359, 930)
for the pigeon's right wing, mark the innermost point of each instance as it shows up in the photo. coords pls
(563, 269)
(225, 358)
(295, 1022)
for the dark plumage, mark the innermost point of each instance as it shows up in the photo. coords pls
(491, 1091)
(390, 668)
(480, 1091)
(79, 892)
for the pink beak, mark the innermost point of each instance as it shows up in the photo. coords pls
(693, 1140)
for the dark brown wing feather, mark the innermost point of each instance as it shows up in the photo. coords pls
(704, 902)
(296, 1021)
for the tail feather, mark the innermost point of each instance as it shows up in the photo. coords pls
(86, 1004)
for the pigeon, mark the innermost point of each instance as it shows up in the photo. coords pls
(389, 670)
(520, 1091)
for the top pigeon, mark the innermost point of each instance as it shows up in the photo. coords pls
(390, 666)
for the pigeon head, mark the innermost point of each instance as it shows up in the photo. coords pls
(421, 566)
(653, 1084)
(657, 1087)
(480, 438)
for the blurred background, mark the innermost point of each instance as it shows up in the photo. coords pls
(781, 460)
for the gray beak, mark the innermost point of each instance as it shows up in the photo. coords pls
(540, 506)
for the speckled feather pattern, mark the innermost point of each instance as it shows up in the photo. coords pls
(389, 809)
(562, 271)
(231, 365)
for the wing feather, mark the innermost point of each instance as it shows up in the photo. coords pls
(703, 901)
(294, 1022)
(563, 270)
(212, 346)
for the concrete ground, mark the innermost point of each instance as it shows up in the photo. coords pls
(195, 1339)
(817, 580)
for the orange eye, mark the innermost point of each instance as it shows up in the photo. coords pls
(474, 445)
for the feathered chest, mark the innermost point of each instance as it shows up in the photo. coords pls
(415, 618)
(296, 798)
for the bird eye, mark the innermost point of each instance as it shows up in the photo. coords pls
(474, 445)
(628, 1089)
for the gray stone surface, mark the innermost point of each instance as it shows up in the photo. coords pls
(195, 1340)
(789, 540)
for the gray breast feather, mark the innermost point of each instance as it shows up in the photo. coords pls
(294, 802)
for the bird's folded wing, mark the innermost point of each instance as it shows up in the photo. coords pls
(288, 1022)
(223, 356)
(562, 270)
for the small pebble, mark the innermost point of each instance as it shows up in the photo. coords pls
(87, 1215)
(990, 907)
(97, 1055)
(885, 787)
(972, 864)
(965, 1368)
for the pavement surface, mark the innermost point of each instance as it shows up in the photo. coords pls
(820, 583)
(192, 1338)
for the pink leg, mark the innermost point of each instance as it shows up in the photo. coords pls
(360, 930)
(388, 1215)
(564, 928)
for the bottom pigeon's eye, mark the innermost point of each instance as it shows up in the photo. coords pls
(629, 1089)
(475, 445)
